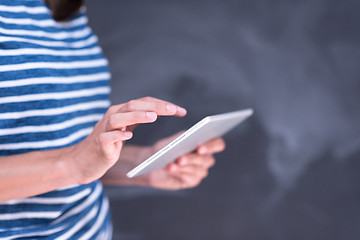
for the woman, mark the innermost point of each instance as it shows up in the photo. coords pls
(58, 134)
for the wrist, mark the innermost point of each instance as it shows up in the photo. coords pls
(139, 154)
(66, 167)
(134, 155)
(130, 157)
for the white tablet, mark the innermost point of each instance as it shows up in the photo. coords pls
(205, 130)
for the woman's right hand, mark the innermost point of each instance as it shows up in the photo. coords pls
(91, 158)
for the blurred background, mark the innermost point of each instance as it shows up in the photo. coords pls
(289, 172)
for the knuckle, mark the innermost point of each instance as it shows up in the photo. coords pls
(193, 169)
(222, 144)
(131, 105)
(112, 120)
(187, 183)
(205, 174)
(196, 182)
(212, 162)
(101, 139)
(148, 98)
(160, 107)
(111, 109)
(139, 116)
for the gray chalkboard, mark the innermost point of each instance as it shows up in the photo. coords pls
(292, 171)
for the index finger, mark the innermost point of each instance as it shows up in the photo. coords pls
(180, 110)
(161, 108)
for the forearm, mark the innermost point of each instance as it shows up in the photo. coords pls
(34, 173)
(39, 172)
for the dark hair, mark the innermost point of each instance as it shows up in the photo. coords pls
(63, 9)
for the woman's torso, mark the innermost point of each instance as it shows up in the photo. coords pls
(54, 87)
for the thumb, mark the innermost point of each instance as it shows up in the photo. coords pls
(111, 142)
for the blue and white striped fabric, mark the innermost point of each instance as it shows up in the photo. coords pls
(54, 87)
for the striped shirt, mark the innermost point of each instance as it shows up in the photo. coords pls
(54, 87)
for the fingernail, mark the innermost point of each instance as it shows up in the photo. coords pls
(171, 108)
(202, 150)
(181, 110)
(151, 115)
(173, 168)
(128, 134)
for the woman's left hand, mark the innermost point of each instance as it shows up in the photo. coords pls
(186, 172)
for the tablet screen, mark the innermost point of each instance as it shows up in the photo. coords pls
(208, 128)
